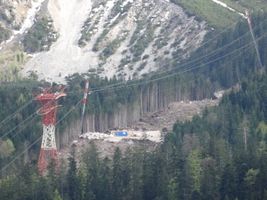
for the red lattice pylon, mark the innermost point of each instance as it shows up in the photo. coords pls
(48, 152)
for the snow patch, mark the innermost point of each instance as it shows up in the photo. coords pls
(28, 22)
(229, 8)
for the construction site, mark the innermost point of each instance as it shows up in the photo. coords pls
(147, 133)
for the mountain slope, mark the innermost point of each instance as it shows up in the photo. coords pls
(122, 38)
(116, 37)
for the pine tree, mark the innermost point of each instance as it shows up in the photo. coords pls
(57, 196)
(117, 176)
(74, 189)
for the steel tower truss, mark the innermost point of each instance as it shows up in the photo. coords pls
(48, 111)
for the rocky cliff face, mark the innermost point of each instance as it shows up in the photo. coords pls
(123, 38)
(131, 38)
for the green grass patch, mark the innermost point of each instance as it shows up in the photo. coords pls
(214, 14)
(255, 5)
(10, 65)
(242, 5)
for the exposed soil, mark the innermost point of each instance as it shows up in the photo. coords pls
(177, 111)
(165, 119)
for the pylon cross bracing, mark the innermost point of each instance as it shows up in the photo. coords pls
(48, 152)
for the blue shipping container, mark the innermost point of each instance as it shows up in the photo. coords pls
(121, 134)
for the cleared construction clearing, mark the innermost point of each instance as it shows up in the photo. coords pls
(146, 134)
(177, 111)
(153, 136)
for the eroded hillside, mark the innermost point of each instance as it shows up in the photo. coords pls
(116, 37)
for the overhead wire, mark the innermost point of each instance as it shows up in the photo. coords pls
(180, 72)
(39, 138)
(202, 45)
(24, 126)
(10, 117)
(30, 101)
(31, 117)
(123, 84)
(36, 141)
(18, 125)
(14, 113)
(220, 48)
(128, 85)
(217, 34)
(191, 61)
(184, 64)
